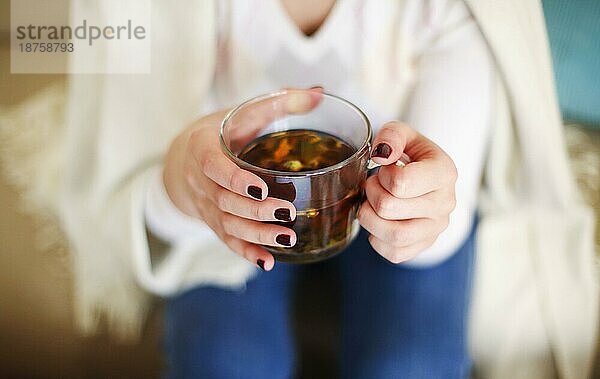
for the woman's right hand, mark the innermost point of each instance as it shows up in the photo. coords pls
(203, 183)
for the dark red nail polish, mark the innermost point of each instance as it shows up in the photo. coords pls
(283, 214)
(382, 150)
(255, 192)
(261, 264)
(316, 88)
(284, 239)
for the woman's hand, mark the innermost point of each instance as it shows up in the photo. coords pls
(203, 183)
(407, 207)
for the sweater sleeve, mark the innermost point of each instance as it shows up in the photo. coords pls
(118, 130)
(166, 221)
(450, 104)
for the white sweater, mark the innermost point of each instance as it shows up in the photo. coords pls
(446, 93)
(535, 304)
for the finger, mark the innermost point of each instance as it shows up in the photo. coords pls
(216, 166)
(390, 207)
(390, 142)
(301, 101)
(396, 233)
(398, 254)
(253, 253)
(262, 113)
(418, 178)
(258, 232)
(288, 101)
(252, 120)
(429, 168)
(270, 209)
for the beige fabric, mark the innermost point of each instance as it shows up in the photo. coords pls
(109, 160)
(539, 215)
(31, 137)
(535, 302)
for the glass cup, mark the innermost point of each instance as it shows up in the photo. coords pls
(326, 199)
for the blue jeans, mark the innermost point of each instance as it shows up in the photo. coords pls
(397, 322)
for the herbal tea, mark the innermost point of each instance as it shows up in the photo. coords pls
(326, 206)
(321, 167)
(296, 150)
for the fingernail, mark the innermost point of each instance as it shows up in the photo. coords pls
(255, 192)
(261, 264)
(283, 214)
(283, 239)
(316, 88)
(382, 150)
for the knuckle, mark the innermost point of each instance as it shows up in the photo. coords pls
(396, 257)
(199, 201)
(236, 179)
(452, 202)
(383, 205)
(256, 211)
(231, 180)
(221, 199)
(264, 236)
(206, 162)
(399, 185)
(199, 208)
(189, 176)
(448, 205)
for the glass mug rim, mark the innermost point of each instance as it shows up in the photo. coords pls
(257, 169)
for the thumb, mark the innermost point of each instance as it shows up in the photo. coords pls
(391, 141)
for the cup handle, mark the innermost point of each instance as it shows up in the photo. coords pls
(403, 161)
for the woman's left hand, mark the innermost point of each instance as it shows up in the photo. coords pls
(407, 207)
